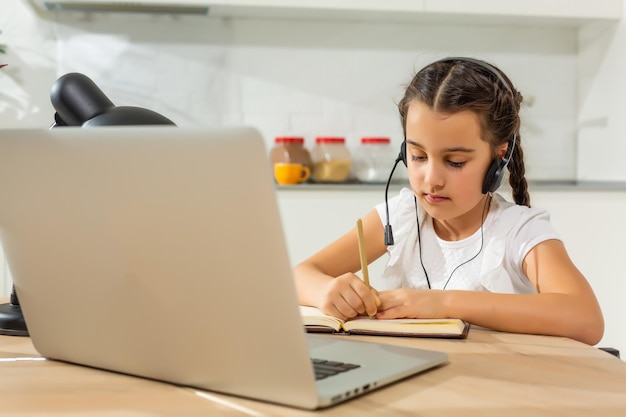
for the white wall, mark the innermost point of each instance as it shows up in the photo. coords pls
(32, 64)
(308, 78)
(601, 105)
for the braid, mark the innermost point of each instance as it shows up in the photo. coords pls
(517, 178)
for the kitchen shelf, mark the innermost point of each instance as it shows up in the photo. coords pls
(533, 185)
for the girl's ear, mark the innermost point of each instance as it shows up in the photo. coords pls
(501, 150)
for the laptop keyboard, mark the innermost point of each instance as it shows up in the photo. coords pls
(324, 369)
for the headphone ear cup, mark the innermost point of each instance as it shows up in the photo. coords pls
(494, 177)
(402, 155)
(496, 171)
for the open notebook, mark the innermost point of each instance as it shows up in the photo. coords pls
(317, 322)
(147, 251)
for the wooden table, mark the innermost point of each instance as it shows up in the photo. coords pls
(489, 374)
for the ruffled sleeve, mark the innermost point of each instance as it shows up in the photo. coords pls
(514, 232)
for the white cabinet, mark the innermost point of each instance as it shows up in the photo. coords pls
(572, 9)
(566, 12)
(562, 9)
(518, 12)
(526, 12)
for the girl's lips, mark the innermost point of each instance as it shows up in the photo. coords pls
(434, 199)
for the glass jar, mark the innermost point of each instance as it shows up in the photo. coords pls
(332, 161)
(290, 149)
(373, 160)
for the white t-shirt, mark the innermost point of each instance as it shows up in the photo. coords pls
(508, 234)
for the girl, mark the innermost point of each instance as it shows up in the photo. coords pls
(459, 250)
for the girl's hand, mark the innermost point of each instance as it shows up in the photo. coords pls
(414, 304)
(347, 296)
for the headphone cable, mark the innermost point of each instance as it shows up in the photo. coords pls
(419, 242)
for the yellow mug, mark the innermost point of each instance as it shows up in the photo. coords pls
(290, 173)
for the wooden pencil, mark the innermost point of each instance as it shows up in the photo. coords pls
(362, 252)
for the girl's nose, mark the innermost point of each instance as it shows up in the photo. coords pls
(433, 176)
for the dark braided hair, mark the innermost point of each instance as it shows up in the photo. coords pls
(454, 85)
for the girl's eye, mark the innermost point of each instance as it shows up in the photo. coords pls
(456, 164)
(452, 164)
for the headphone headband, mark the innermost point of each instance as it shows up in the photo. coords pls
(493, 70)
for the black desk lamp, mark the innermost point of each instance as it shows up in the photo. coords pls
(78, 102)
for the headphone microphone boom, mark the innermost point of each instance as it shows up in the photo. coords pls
(388, 232)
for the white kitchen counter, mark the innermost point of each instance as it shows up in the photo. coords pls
(534, 185)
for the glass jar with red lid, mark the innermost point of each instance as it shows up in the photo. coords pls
(373, 160)
(332, 161)
(290, 149)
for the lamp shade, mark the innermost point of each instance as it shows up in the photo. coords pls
(79, 102)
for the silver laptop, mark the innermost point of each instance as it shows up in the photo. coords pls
(159, 252)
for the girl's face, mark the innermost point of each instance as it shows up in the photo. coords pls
(447, 161)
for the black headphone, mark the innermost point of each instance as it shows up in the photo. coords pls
(495, 172)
